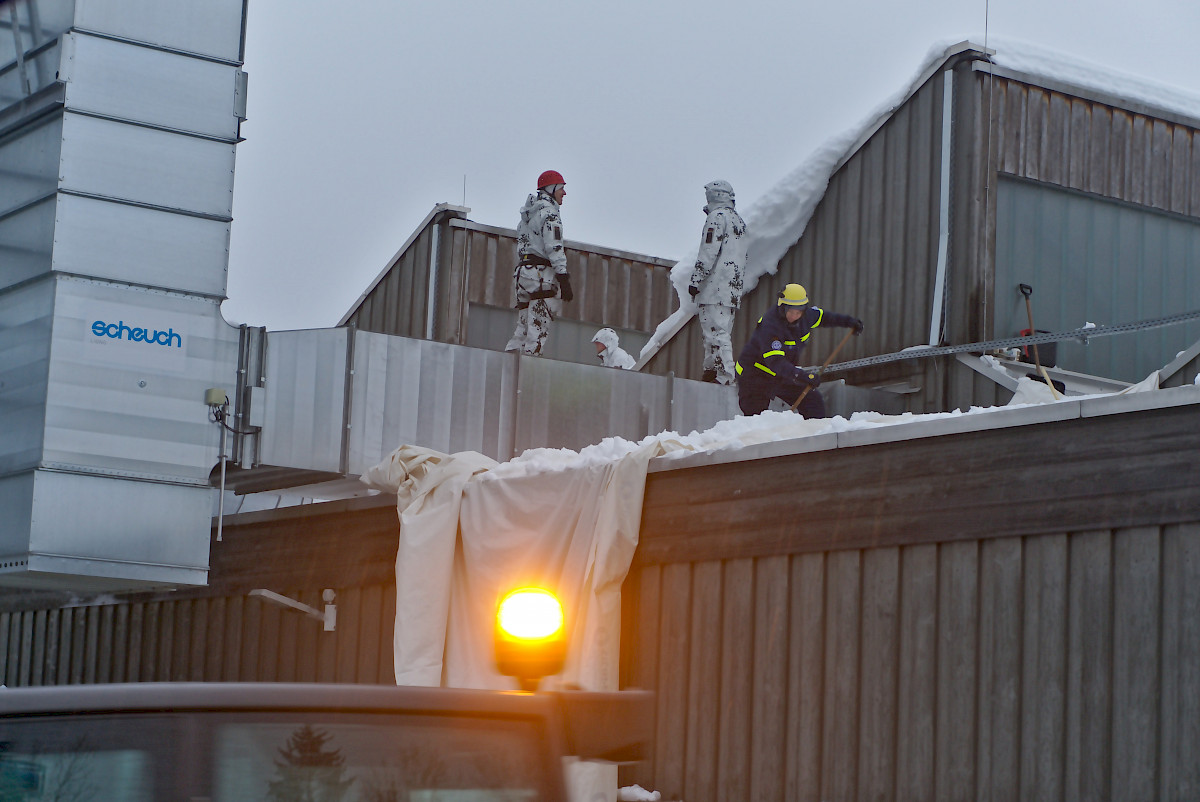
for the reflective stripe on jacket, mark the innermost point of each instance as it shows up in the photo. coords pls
(773, 352)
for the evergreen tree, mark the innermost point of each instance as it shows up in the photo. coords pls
(307, 771)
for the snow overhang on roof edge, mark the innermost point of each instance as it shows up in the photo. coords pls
(900, 428)
(765, 260)
(1011, 59)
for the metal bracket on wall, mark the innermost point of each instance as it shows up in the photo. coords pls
(328, 618)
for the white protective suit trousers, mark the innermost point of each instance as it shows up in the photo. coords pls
(534, 315)
(716, 324)
(533, 324)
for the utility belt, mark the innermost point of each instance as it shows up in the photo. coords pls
(537, 295)
(530, 288)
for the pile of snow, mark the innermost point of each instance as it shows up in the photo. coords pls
(775, 221)
(767, 427)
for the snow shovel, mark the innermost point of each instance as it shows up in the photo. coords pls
(824, 365)
(1027, 291)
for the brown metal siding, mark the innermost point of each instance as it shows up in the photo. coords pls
(397, 303)
(927, 621)
(206, 639)
(611, 289)
(1020, 668)
(475, 266)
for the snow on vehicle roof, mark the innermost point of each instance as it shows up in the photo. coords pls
(776, 220)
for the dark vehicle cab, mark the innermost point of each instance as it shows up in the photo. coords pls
(218, 741)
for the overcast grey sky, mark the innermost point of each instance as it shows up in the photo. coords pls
(364, 115)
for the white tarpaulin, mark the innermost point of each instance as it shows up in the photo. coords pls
(472, 529)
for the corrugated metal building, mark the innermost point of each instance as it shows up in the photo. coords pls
(985, 177)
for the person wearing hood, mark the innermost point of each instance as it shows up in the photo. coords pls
(716, 283)
(540, 279)
(610, 354)
(768, 366)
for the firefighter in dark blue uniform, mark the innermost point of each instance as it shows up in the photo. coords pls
(768, 365)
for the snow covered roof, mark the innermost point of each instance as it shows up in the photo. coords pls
(776, 221)
(775, 434)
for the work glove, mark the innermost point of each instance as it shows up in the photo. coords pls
(806, 379)
(857, 325)
(693, 290)
(564, 286)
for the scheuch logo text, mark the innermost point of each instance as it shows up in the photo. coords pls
(119, 331)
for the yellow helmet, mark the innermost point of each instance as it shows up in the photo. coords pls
(792, 295)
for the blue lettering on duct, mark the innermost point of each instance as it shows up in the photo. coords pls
(120, 331)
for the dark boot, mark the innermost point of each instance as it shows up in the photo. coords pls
(709, 375)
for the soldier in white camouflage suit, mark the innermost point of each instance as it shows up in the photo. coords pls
(716, 283)
(540, 278)
(609, 352)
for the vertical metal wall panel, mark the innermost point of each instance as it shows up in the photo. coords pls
(25, 329)
(210, 29)
(26, 242)
(1100, 261)
(699, 406)
(428, 394)
(29, 164)
(142, 246)
(995, 597)
(563, 405)
(135, 407)
(306, 386)
(129, 533)
(149, 86)
(157, 168)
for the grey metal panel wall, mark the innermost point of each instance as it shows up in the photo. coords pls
(154, 167)
(429, 394)
(26, 318)
(568, 405)
(1096, 260)
(162, 88)
(212, 29)
(869, 250)
(133, 408)
(452, 398)
(305, 396)
(1056, 666)
(139, 245)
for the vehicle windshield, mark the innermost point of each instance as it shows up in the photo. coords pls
(297, 757)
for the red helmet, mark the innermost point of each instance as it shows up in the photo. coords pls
(549, 178)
